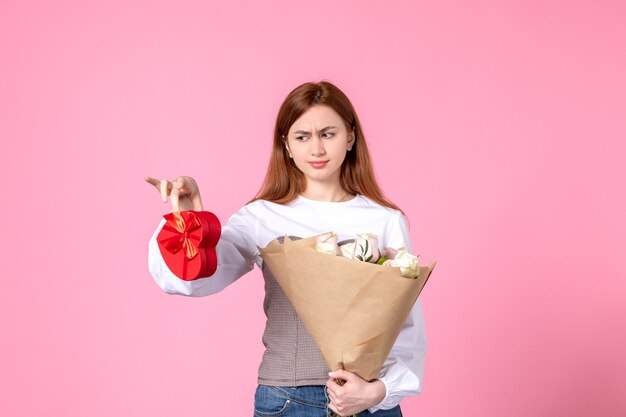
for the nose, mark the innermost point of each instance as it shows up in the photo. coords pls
(317, 145)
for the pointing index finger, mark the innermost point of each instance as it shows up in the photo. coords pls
(152, 181)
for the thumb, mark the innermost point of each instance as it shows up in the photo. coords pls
(342, 374)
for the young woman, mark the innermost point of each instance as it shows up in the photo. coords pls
(319, 179)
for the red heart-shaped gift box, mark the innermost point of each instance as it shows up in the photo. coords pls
(187, 243)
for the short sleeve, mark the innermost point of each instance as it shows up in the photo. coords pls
(397, 232)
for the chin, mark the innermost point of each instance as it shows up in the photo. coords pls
(319, 178)
(325, 174)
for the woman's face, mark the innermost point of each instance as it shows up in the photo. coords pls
(318, 142)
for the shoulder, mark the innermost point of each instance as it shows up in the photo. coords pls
(388, 212)
(393, 221)
(246, 213)
(261, 209)
(262, 205)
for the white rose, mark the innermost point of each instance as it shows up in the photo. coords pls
(327, 243)
(408, 264)
(366, 247)
(347, 250)
(391, 253)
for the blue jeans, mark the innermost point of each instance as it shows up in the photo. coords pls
(306, 401)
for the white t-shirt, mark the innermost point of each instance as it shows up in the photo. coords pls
(260, 222)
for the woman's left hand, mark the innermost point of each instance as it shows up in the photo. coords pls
(355, 395)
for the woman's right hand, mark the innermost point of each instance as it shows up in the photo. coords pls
(183, 192)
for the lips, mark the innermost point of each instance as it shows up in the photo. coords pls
(318, 164)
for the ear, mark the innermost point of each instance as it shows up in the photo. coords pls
(288, 151)
(351, 140)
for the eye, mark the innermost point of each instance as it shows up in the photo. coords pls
(328, 134)
(300, 138)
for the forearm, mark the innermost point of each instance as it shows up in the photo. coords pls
(232, 264)
(403, 370)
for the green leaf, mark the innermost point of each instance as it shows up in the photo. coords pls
(381, 260)
(369, 258)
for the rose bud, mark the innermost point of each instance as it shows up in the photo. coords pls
(327, 243)
(366, 247)
(347, 250)
(391, 253)
(408, 264)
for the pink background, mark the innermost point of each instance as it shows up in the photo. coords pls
(499, 127)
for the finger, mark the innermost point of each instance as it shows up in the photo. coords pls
(164, 190)
(332, 396)
(180, 183)
(330, 392)
(157, 184)
(152, 181)
(185, 189)
(337, 409)
(342, 374)
(333, 408)
(333, 386)
(197, 202)
(175, 198)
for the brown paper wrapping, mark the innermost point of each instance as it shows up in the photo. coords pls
(353, 310)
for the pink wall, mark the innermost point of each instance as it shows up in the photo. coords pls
(499, 127)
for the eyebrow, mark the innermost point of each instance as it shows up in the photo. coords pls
(321, 130)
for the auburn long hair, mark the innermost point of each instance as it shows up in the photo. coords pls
(284, 181)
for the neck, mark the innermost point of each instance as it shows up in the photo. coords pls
(326, 193)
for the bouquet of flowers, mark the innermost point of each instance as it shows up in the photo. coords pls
(352, 307)
(365, 248)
